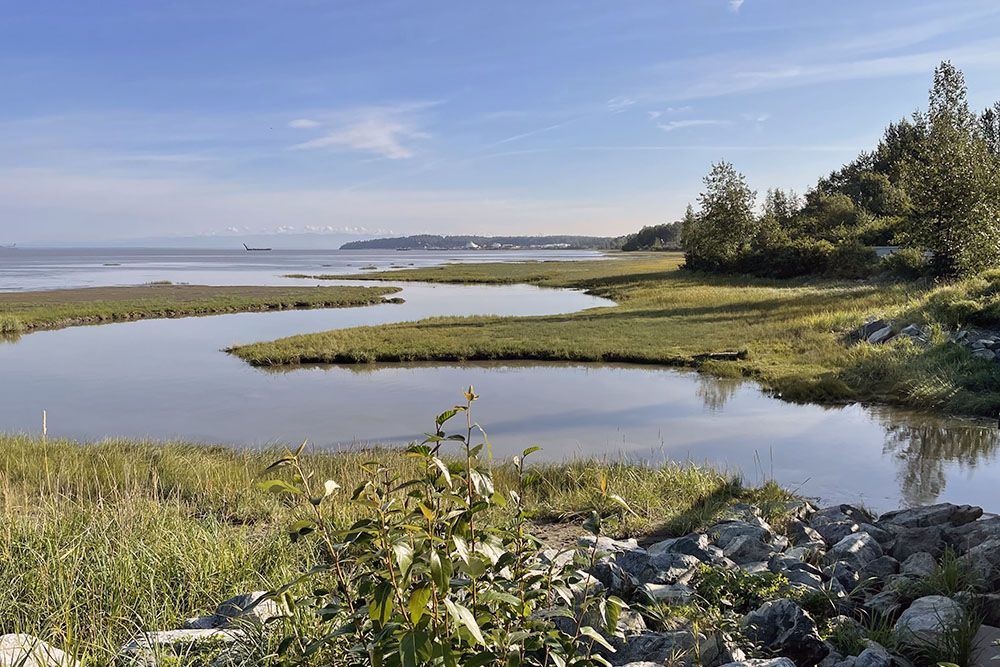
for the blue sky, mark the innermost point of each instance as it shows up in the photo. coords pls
(124, 119)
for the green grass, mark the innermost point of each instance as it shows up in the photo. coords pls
(792, 330)
(21, 312)
(101, 540)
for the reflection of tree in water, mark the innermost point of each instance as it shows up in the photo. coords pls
(924, 444)
(715, 392)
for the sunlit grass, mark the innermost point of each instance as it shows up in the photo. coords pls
(21, 312)
(793, 330)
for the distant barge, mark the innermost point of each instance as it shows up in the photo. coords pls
(249, 249)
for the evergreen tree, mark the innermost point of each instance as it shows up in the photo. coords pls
(954, 182)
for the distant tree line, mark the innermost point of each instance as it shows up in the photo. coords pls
(932, 185)
(436, 242)
(655, 237)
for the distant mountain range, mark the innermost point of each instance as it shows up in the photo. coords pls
(435, 242)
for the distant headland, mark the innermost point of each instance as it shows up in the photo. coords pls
(435, 242)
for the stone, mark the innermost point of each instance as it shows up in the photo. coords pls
(803, 578)
(986, 604)
(631, 622)
(614, 579)
(725, 532)
(755, 567)
(659, 647)
(761, 662)
(932, 515)
(857, 549)
(886, 604)
(806, 551)
(843, 573)
(670, 568)
(607, 545)
(149, 649)
(928, 619)
(880, 568)
(969, 535)
(982, 563)
(867, 329)
(747, 549)
(800, 532)
(874, 656)
(919, 565)
(913, 331)
(842, 512)
(987, 355)
(669, 593)
(253, 606)
(834, 531)
(914, 540)
(882, 535)
(695, 544)
(880, 336)
(21, 650)
(782, 627)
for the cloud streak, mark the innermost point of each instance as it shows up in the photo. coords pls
(386, 132)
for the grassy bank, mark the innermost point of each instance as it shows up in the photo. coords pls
(792, 331)
(101, 540)
(22, 312)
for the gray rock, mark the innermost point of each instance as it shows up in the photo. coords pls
(614, 579)
(807, 551)
(834, 531)
(254, 605)
(631, 622)
(727, 531)
(914, 540)
(972, 534)
(857, 549)
(988, 355)
(986, 604)
(886, 604)
(867, 329)
(880, 568)
(800, 532)
(884, 536)
(982, 563)
(928, 619)
(694, 544)
(150, 649)
(803, 578)
(659, 647)
(608, 545)
(874, 656)
(782, 627)
(669, 593)
(932, 515)
(21, 650)
(880, 336)
(747, 549)
(670, 568)
(843, 512)
(843, 573)
(755, 567)
(761, 662)
(919, 565)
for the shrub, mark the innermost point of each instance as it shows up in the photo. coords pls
(790, 259)
(905, 263)
(735, 589)
(852, 260)
(426, 578)
(10, 325)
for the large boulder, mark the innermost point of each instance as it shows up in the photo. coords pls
(918, 565)
(21, 650)
(782, 627)
(725, 532)
(964, 537)
(928, 619)
(914, 540)
(834, 531)
(761, 662)
(695, 544)
(982, 564)
(932, 515)
(747, 549)
(800, 533)
(856, 549)
(659, 647)
(841, 513)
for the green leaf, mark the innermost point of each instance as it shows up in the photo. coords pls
(408, 650)
(463, 617)
(448, 414)
(283, 461)
(596, 636)
(418, 603)
(530, 450)
(444, 470)
(277, 486)
(380, 609)
(440, 571)
(300, 528)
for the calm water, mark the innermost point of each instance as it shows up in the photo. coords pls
(168, 379)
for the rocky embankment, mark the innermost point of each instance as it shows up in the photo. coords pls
(835, 587)
(982, 343)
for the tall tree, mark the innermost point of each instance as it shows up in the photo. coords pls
(989, 121)
(722, 233)
(954, 182)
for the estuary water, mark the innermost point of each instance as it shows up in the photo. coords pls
(169, 379)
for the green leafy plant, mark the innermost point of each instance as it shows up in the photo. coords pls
(431, 576)
(735, 589)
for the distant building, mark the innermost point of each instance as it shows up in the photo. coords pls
(471, 246)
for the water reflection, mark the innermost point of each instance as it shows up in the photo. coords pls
(715, 392)
(926, 446)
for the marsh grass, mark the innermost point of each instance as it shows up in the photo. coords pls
(101, 540)
(792, 330)
(21, 312)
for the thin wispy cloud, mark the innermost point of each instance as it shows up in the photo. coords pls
(670, 126)
(303, 123)
(386, 132)
(734, 6)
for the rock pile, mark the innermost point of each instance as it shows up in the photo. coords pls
(859, 565)
(981, 343)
